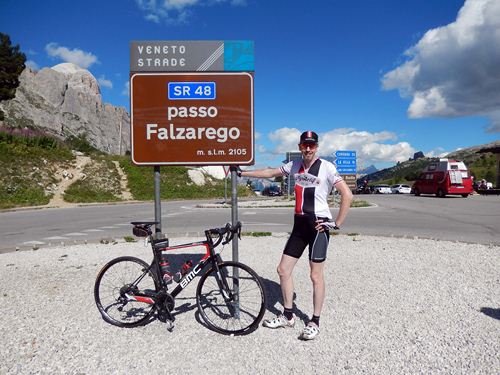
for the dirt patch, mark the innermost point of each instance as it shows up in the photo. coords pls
(126, 194)
(66, 177)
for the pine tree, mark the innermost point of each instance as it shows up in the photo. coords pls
(11, 65)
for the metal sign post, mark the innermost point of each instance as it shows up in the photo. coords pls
(234, 221)
(157, 201)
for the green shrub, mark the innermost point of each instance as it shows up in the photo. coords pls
(81, 143)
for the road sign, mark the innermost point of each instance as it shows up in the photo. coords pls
(350, 179)
(345, 162)
(345, 154)
(214, 130)
(343, 170)
(191, 90)
(191, 55)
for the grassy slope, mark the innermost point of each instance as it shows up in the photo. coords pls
(174, 183)
(27, 167)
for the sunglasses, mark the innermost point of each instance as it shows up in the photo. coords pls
(305, 145)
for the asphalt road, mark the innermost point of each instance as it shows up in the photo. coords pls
(475, 219)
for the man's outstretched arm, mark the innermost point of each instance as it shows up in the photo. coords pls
(263, 173)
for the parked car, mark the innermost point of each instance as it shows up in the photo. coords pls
(272, 191)
(401, 189)
(382, 189)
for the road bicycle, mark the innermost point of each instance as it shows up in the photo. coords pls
(230, 295)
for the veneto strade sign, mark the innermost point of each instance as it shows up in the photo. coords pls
(182, 112)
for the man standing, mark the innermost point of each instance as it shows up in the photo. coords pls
(314, 180)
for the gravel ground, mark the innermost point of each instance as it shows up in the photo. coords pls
(394, 306)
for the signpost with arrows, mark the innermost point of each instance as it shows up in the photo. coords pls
(346, 166)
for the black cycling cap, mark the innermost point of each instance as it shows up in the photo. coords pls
(309, 137)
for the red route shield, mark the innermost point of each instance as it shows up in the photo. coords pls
(192, 131)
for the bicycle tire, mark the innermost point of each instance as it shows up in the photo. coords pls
(110, 286)
(235, 317)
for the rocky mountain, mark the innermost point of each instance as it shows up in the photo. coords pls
(65, 101)
(368, 170)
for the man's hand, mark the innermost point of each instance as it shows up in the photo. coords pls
(235, 168)
(321, 225)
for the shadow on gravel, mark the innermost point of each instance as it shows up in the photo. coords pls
(273, 297)
(492, 313)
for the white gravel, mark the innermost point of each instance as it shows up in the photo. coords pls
(394, 306)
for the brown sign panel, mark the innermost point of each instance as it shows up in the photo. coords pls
(350, 179)
(192, 118)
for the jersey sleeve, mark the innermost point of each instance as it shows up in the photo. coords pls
(286, 168)
(333, 175)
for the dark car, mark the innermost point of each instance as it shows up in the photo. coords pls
(272, 191)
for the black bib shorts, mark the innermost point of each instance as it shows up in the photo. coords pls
(303, 234)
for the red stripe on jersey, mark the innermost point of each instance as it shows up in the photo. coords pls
(299, 195)
(299, 198)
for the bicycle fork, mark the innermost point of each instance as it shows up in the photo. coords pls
(230, 296)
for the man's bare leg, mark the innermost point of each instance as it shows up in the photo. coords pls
(318, 280)
(285, 269)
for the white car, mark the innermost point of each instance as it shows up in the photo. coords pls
(382, 189)
(401, 189)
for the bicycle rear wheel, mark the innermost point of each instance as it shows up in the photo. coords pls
(231, 301)
(116, 286)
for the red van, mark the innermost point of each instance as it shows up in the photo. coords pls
(444, 177)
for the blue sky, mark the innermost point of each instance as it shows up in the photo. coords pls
(386, 78)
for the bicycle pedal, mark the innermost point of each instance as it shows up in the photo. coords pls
(170, 325)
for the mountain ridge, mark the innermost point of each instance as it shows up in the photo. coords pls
(481, 165)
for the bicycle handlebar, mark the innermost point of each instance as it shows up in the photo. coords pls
(143, 229)
(229, 231)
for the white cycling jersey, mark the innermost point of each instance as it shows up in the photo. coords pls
(312, 186)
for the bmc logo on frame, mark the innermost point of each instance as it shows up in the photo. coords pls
(190, 276)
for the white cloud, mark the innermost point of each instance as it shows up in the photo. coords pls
(126, 89)
(370, 147)
(76, 56)
(105, 82)
(31, 64)
(454, 70)
(287, 140)
(261, 148)
(177, 11)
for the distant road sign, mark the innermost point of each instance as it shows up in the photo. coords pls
(345, 162)
(345, 154)
(343, 170)
(350, 179)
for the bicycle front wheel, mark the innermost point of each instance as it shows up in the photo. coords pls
(118, 284)
(231, 300)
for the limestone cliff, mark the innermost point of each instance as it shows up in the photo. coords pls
(65, 100)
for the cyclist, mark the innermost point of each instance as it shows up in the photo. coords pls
(314, 180)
